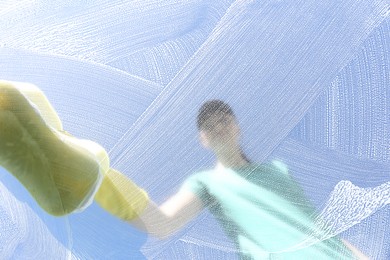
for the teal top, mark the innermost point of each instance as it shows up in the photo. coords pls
(265, 212)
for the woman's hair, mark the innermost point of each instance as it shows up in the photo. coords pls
(210, 108)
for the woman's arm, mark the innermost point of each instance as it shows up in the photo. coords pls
(163, 221)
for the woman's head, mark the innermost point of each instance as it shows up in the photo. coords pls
(212, 108)
(217, 125)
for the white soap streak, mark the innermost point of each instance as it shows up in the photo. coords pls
(353, 115)
(269, 60)
(163, 61)
(194, 250)
(162, 35)
(247, 61)
(327, 176)
(83, 93)
(9, 7)
(340, 204)
(155, 151)
(215, 240)
(207, 243)
(23, 235)
(315, 166)
(85, 33)
(347, 206)
(95, 102)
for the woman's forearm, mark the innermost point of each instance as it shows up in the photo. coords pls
(163, 221)
(154, 222)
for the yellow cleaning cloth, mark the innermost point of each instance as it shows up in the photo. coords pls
(120, 196)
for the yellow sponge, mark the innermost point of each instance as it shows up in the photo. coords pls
(37, 99)
(63, 174)
(57, 172)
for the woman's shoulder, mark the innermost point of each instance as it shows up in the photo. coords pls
(199, 175)
(271, 165)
